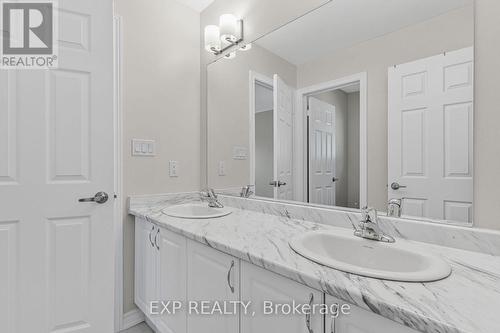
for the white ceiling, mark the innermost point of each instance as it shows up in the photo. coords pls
(198, 5)
(344, 23)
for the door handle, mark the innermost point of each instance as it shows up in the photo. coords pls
(229, 277)
(277, 183)
(332, 325)
(156, 239)
(335, 179)
(308, 316)
(99, 197)
(395, 186)
(150, 240)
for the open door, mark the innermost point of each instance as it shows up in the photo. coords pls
(321, 152)
(283, 140)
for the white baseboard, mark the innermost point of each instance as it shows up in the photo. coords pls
(132, 318)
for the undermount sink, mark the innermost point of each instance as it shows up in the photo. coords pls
(195, 211)
(400, 261)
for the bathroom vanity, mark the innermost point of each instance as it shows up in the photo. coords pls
(245, 256)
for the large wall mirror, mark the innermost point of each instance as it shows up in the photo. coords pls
(357, 103)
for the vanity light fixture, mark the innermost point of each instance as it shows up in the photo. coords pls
(229, 33)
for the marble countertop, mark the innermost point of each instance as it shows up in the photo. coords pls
(466, 302)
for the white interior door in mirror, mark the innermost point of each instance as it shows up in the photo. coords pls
(321, 152)
(283, 139)
(430, 136)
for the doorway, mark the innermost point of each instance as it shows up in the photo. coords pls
(331, 143)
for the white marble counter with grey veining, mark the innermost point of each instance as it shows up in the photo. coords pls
(466, 302)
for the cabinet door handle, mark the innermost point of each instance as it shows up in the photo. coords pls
(308, 316)
(229, 277)
(332, 325)
(150, 240)
(156, 239)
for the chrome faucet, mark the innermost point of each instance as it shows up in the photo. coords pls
(369, 227)
(246, 191)
(213, 202)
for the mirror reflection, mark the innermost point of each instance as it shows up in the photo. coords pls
(346, 108)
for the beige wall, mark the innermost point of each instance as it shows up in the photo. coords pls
(229, 117)
(448, 32)
(487, 115)
(161, 101)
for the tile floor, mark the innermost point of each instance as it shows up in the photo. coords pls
(141, 328)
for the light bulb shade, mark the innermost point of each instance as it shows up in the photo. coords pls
(212, 38)
(230, 55)
(228, 28)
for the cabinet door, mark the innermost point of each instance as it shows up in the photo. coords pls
(171, 280)
(212, 276)
(361, 321)
(145, 256)
(259, 285)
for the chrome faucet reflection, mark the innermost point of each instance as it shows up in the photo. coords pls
(213, 201)
(369, 227)
(246, 191)
(394, 208)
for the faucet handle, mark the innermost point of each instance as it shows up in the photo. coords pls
(369, 215)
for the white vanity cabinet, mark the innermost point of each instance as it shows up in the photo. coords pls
(360, 321)
(259, 285)
(212, 276)
(170, 267)
(157, 251)
(171, 280)
(145, 264)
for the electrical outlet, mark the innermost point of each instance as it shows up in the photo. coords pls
(222, 168)
(173, 168)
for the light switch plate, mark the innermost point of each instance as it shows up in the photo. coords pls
(240, 153)
(173, 168)
(144, 148)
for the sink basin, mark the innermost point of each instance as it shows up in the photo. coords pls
(195, 211)
(400, 261)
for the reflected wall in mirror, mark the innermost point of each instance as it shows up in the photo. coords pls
(358, 103)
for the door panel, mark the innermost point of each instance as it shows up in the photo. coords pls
(172, 280)
(430, 136)
(259, 285)
(56, 146)
(209, 275)
(321, 152)
(8, 276)
(283, 139)
(361, 321)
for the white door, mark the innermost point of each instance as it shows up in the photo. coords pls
(430, 136)
(358, 320)
(211, 276)
(56, 146)
(259, 285)
(283, 139)
(321, 152)
(171, 280)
